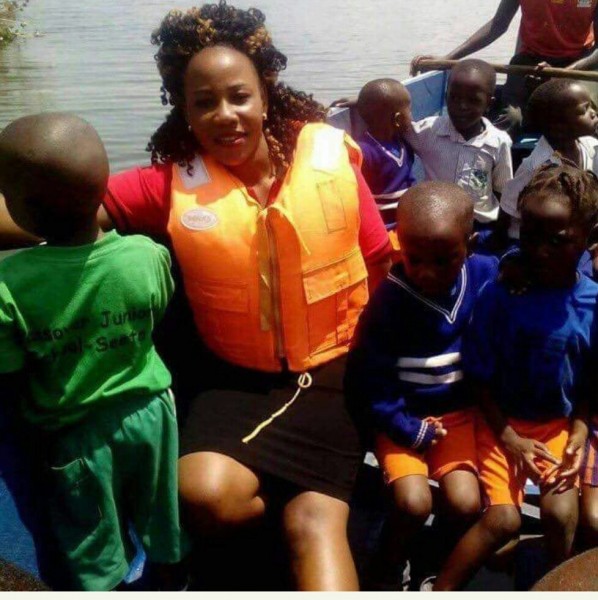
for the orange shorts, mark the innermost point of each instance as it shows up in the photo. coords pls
(455, 451)
(500, 483)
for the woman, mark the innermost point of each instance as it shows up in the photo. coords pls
(272, 226)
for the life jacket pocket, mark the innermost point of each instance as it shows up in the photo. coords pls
(335, 294)
(222, 311)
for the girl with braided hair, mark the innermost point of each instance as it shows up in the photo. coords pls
(529, 358)
(276, 235)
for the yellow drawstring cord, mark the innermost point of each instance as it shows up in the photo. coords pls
(304, 381)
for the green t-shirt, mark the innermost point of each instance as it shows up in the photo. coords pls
(79, 322)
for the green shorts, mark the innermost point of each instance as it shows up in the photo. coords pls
(118, 466)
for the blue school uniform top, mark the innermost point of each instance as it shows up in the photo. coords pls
(532, 349)
(406, 363)
(387, 170)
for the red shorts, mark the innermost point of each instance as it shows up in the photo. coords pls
(500, 482)
(453, 452)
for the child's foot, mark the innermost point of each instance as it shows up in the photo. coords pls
(427, 585)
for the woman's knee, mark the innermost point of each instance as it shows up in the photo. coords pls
(216, 491)
(312, 517)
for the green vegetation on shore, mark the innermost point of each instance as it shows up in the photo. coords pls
(10, 26)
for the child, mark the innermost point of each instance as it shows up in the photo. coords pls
(528, 358)
(562, 111)
(464, 147)
(385, 107)
(76, 322)
(406, 365)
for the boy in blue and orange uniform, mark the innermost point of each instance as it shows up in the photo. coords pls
(529, 357)
(406, 365)
(76, 321)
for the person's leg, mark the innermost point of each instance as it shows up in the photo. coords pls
(460, 504)
(148, 463)
(411, 506)
(559, 512)
(588, 518)
(516, 89)
(218, 493)
(315, 529)
(498, 525)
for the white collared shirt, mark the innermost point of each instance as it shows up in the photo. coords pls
(542, 154)
(481, 165)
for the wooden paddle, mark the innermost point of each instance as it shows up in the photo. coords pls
(548, 72)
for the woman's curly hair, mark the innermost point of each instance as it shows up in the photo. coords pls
(181, 35)
(566, 179)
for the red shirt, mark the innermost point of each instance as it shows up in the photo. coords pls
(138, 201)
(557, 28)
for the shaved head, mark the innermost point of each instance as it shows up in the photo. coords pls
(434, 227)
(482, 69)
(53, 170)
(435, 205)
(380, 99)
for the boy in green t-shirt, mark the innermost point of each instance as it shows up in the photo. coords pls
(76, 322)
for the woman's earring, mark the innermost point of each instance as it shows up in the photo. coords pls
(189, 128)
(397, 120)
(264, 116)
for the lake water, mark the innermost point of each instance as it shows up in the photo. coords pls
(94, 56)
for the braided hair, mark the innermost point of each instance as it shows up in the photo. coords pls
(181, 35)
(579, 186)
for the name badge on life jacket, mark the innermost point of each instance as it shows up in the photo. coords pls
(199, 219)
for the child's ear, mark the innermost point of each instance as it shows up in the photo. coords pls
(472, 241)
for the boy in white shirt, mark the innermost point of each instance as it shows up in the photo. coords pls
(463, 147)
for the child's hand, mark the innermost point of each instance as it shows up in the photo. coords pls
(563, 476)
(525, 451)
(439, 430)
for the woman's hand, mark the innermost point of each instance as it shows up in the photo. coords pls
(525, 451)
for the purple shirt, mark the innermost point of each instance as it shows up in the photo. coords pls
(387, 171)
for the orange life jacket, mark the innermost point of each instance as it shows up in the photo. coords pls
(557, 28)
(281, 282)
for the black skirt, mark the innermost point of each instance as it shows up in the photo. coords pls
(314, 444)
